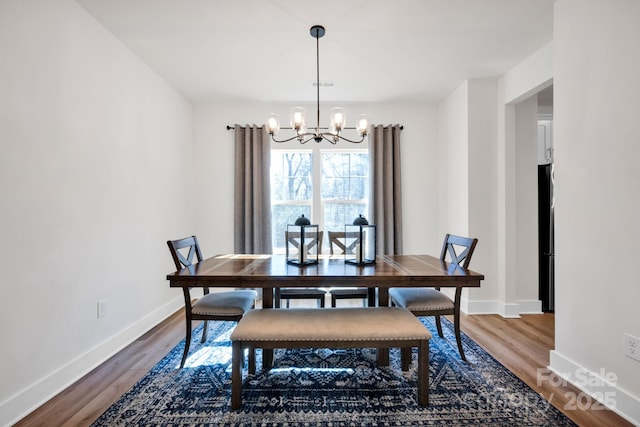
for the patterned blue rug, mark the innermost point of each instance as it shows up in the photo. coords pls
(331, 388)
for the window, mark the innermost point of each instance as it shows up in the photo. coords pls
(291, 191)
(328, 186)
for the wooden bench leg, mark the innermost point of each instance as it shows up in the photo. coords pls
(405, 358)
(236, 374)
(423, 373)
(382, 356)
(267, 358)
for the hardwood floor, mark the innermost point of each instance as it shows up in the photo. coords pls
(522, 345)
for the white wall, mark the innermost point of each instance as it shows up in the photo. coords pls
(596, 108)
(482, 180)
(94, 177)
(215, 167)
(467, 200)
(526, 205)
(453, 146)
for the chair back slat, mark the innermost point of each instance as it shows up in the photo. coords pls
(340, 240)
(460, 249)
(177, 248)
(294, 238)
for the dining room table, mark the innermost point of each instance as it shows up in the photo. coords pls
(268, 272)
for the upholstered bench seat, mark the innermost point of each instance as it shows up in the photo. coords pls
(375, 327)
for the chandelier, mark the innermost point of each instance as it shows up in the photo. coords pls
(338, 120)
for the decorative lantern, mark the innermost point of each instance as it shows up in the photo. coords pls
(302, 242)
(362, 236)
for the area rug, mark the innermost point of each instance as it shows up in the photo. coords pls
(322, 387)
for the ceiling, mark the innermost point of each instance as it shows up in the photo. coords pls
(373, 50)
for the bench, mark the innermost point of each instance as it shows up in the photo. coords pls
(335, 328)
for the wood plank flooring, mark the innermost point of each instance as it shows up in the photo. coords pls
(522, 345)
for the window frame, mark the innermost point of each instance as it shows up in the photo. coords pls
(317, 203)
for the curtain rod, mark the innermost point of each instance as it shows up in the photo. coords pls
(232, 127)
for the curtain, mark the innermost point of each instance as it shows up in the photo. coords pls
(252, 199)
(386, 191)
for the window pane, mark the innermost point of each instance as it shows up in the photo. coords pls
(336, 214)
(291, 175)
(282, 215)
(344, 187)
(291, 191)
(345, 175)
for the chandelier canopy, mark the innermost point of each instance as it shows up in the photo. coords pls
(338, 120)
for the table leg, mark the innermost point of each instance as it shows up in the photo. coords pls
(371, 297)
(267, 297)
(383, 297)
(267, 353)
(383, 301)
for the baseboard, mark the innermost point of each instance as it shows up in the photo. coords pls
(479, 307)
(598, 389)
(507, 310)
(24, 402)
(530, 306)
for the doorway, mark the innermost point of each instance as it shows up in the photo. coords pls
(546, 252)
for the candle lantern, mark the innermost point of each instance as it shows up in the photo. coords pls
(361, 242)
(302, 242)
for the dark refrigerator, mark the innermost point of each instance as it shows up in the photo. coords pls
(545, 237)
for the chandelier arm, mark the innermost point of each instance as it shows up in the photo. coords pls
(300, 137)
(340, 137)
(311, 136)
(350, 140)
(331, 140)
(322, 128)
(273, 138)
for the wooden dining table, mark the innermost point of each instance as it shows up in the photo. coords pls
(272, 271)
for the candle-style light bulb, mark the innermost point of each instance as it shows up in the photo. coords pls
(338, 120)
(363, 124)
(273, 124)
(297, 119)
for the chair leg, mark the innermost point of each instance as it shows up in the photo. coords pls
(456, 327)
(252, 361)
(333, 301)
(439, 326)
(276, 301)
(456, 322)
(204, 331)
(187, 343)
(321, 301)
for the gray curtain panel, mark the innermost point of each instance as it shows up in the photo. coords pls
(386, 189)
(252, 198)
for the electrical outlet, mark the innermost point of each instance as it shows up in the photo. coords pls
(632, 346)
(102, 309)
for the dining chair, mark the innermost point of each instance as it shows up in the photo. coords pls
(317, 294)
(227, 305)
(339, 243)
(432, 302)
